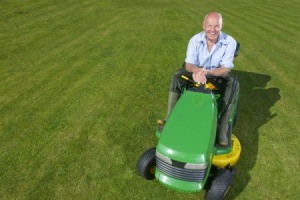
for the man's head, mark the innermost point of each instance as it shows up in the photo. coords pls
(212, 25)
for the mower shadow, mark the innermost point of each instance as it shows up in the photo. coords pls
(254, 111)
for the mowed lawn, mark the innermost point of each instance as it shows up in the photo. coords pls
(82, 84)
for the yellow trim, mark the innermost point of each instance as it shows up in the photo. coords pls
(210, 86)
(187, 79)
(230, 158)
(184, 77)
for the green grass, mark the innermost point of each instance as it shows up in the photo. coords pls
(83, 82)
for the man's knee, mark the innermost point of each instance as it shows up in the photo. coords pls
(177, 82)
(228, 89)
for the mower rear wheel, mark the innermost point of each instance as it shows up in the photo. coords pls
(147, 163)
(220, 185)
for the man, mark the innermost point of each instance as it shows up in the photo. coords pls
(209, 53)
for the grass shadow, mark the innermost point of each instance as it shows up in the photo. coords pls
(255, 103)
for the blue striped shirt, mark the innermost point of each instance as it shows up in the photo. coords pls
(220, 55)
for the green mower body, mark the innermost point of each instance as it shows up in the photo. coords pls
(184, 151)
(187, 157)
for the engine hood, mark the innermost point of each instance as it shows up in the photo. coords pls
(189, 134)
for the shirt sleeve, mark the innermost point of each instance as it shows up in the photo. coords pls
(192, 52)
(227, 59)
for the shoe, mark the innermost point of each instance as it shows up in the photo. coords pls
(161, 122)
(223, 140)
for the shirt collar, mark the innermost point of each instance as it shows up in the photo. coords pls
(221, 39)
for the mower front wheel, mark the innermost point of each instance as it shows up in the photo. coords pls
(147, 163)
(220, 184)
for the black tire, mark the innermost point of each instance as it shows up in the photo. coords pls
(220, 185)
(146, 164)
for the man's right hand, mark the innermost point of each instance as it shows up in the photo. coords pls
(200, 76)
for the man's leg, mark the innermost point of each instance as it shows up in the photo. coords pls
(227, 105)
(172, 99)
(176, 86)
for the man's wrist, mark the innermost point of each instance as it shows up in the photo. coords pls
(196, 69)
(208, 72)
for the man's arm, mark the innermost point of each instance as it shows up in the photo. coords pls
(199, 74)
(221, 71)
(193, 68)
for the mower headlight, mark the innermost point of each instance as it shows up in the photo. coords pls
(195, 166)
(163, 158)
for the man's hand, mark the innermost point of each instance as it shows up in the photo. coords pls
(200, 76)
(198, 73)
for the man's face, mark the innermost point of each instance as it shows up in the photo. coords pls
(212, 27)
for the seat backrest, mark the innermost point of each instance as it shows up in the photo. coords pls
(236, 52)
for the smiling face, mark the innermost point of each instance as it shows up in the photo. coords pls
(212, 26)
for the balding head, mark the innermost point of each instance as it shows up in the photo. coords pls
(212, 25)
(213, 15)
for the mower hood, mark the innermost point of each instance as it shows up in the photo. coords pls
(189, 134)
